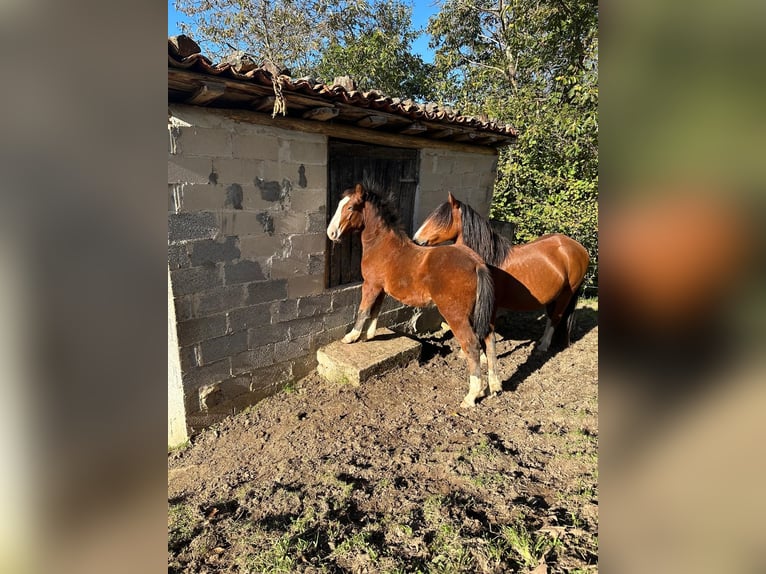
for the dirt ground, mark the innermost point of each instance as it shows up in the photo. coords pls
(393, 476)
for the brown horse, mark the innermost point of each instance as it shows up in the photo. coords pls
(547, 272)
(452, 277)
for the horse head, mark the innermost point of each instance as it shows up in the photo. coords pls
(442, 224)
(349, 215)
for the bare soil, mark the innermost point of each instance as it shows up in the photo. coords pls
(393, 476)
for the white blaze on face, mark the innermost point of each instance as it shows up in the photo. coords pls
(416, 237)
(333, 230)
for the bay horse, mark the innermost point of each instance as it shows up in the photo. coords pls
(547, 272)
(453, 277)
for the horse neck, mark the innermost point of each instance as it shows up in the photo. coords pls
(496, 250)
(375, 231)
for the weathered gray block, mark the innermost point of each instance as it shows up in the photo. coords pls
(183, 227)
(317, 222)
(292, 348)
(194, 280)
(305, 244)
(209, 250)
(220, 300)
(222, 347)
(204, 141)
(347, 296)
(264, 291)
(197, 330)
(243, 272)
(304, 286)
(251, 360)
(314, 305)
(255, 146)
(177, 257)
(268, 334)
(189, 169)
(199, 376)
(357, 362)
(250, 317)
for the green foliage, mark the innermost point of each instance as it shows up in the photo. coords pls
(367, 40)
(376, 52)
(533, 64)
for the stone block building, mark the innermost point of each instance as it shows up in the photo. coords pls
(255, 287)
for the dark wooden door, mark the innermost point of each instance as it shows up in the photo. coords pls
(396, 169)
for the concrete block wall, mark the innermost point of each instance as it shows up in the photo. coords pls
(246, 227)
(246, 242)
(246, 253)
(470, 177)
(177, 433)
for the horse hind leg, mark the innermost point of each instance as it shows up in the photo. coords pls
(472, 349)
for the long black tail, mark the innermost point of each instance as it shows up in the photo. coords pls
(484, 307)
(563, 332)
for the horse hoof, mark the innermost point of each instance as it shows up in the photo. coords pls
(466, 404)
(350, 339)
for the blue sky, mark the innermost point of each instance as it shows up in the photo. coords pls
(420, 13)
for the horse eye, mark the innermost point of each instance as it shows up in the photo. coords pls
(350, 207)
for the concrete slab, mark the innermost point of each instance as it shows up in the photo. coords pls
(357, 362)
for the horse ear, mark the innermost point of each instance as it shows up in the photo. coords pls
(358, 189)
(451, 198)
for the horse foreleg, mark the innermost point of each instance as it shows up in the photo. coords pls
(374, 312)
(555, 311)
(545, 340)
(495, 386)
(369, 303)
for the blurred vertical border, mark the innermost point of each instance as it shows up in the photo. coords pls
(681, 241)
(82, 251)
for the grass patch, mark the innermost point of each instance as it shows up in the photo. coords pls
(590, 302)
(183, 526)
(301, 539)
(179, 447)
(529, 548)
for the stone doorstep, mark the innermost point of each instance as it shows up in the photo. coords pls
(355, 363)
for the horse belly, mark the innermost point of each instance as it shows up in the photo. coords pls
(528, 285)
(408, 292)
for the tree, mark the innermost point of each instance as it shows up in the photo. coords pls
(533, 64)
(367, 40)
(376, 51)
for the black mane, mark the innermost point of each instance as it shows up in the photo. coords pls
(442, 215)
(385, 205)
(479, 236)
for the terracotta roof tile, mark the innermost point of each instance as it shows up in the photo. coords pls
(242, 71)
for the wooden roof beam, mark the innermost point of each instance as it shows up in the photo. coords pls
(414, 128)
(264, 104)
(206, 93)
(372, 122)
(443, 134)
(466, 137)
(321, 114)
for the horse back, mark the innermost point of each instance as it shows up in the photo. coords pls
(450, 268)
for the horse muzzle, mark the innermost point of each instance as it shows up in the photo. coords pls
(334, 234)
